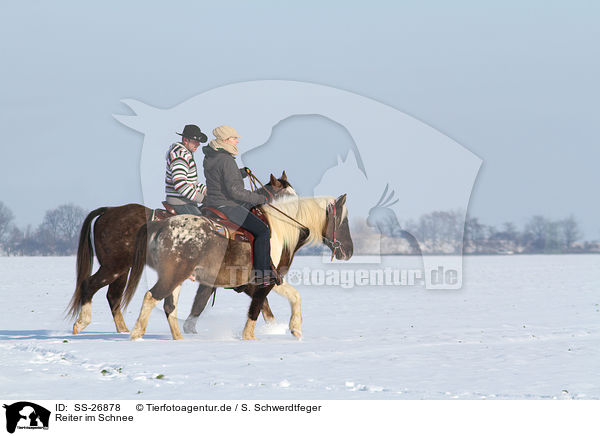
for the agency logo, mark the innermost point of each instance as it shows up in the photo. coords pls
(407, 184)
(26, 415)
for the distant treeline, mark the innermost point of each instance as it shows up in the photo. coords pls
(437, 233)
(442, 232)
(57, 235)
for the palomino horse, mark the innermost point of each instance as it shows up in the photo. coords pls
(114, 238)
(184, 245)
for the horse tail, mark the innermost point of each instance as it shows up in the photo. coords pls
(85, 260)
(137, 266)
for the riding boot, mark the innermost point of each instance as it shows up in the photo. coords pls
(273, 276)
(276, 274)
(267, 277)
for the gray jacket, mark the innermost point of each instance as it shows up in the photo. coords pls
(224, 181)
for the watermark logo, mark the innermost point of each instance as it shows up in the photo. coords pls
(26, 416)
(393, 167)
(349, 278)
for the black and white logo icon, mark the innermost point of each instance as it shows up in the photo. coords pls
(26, 415)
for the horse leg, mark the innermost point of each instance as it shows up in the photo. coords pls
(202, 296)
(288, 291)
(258, 299)
(267, 313)
(142, 322)
(162, 289)
(266, 309)
(170, 307)
(89, 287)
(115, 291)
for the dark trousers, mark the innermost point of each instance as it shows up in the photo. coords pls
(262, 243)
(191, 209)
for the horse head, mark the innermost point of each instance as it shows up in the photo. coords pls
(336, 234)
(278, 188)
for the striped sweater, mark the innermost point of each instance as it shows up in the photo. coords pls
(181, 178)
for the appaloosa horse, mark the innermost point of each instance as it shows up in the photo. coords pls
(114, 238)
(186, 245)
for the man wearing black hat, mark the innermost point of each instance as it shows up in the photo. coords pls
(181, 179)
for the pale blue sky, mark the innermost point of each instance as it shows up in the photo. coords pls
(514, 82)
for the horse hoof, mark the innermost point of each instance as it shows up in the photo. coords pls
(249, 338)
(135, 336)
(75, 329)
(189, 326)
(296, 333)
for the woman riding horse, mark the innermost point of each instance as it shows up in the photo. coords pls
(225, 192)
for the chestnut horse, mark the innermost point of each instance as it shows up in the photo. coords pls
(186, 245)
(114, 238)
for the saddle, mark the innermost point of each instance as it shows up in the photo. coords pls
(163, 214)
(220, 224)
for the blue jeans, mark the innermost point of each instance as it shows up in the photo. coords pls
(261, 248)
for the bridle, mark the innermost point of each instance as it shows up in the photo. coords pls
(335, 244)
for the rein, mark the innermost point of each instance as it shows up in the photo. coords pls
(253, 181)
(335, 244)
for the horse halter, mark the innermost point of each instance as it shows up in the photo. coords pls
(335, 244)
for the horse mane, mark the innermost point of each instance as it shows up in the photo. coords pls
(310, 211)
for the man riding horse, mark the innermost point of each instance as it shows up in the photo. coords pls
(181, 179)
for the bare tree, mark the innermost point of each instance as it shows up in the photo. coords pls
(569, 230)
(535, 233)
(553, 240)
(14, 242)
(510, 231)
(474, 233)
(60, 229)
(6, 217)
(440, 230)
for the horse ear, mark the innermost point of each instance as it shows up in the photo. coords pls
(274, 181)
(341, 200)
(283, 176)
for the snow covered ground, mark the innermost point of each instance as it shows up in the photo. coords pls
(522, 327)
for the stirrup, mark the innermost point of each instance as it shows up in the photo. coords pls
(259, 278)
